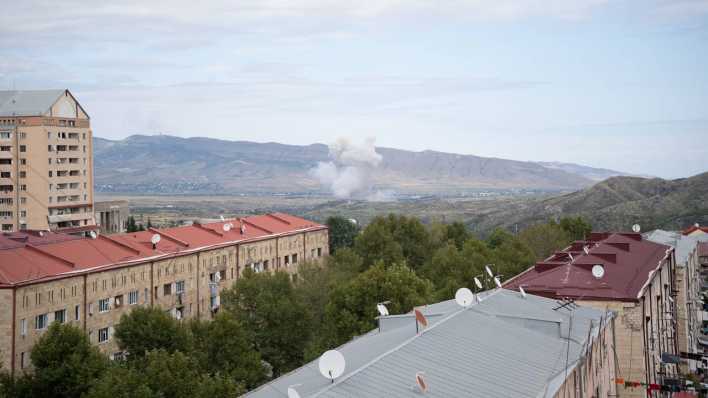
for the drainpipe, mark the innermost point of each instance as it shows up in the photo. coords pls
(14, 315)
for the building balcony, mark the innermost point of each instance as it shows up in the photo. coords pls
(57, 218)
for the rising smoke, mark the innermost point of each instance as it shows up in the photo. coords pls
(349, 173)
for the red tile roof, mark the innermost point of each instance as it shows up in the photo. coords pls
(628, 261)
(27, 257)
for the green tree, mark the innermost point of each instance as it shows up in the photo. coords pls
(222, 346)
(578, 228)
(351, 310)
(145, 329)
(131, 225)
(65, 362)
(342, 233)
(149, 223)
(268, 307)
(162, 374)
(544, 239)
(376, 243)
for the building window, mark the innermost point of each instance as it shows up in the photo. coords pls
(294, 258)
(133, 297)
(60, 316)
(23, 148)
(23, 187)
(22, 360)
(23, 200)
(23, 327)
(77, 314)
(104, 305)
(319, 252)
(286, 260)
(40, 322)
(103, 335)
(167, 289)
(23, 162)
(118, 300)
(179, 287)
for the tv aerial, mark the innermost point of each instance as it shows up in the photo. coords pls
(222, 218)
(497, 282)
(586, 250)
(381, 307)
(489, 271)
(155, 239)
(464, 297)
(522, 291)
(332, 364)
(598, 271)
(636, 228)
(478, 283)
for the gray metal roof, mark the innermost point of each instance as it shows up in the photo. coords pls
(27, 102)
(504, 346)
(683, 245)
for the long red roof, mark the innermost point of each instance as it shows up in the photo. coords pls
(627, 258)
(32, 257)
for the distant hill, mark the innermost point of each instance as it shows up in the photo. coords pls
(592, 173)
(168, 164)
(614, 204)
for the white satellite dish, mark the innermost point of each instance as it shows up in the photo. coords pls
(586, 250)
(383, 311)
(227, 227)
(292, 393)
(464, 297)
(598, 271)
(522, 291)
(93, 234)
(478, 283)
(353, 221)
(636, 228)
(489, 271)
(155, 239)
(497, 282)
(332, 364)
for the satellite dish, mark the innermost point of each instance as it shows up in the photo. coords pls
(353, 221)
(586, 250)
(522, 291)
(41, 233)
(497, 282)
(383, 311)
(155, 239)
(636, 228)
(93, 234)
(598, 271)
(489, 271)
(420, 381)
(478, 283)
(464, 297)
(292, 393)
(227, 227)
(332, 364)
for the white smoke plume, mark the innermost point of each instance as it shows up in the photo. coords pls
(349, 172)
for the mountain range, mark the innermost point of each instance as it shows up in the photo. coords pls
(169, 164)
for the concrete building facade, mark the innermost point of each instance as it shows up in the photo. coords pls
(111, 216)
(46, 277)
(46, 163)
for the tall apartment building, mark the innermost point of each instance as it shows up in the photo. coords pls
(53, 277)
(46, 163)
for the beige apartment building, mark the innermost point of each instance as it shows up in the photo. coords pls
(46, 163)
(50, 277)
(636, 279)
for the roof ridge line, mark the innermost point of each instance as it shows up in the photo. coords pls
(121, 244)
(38, 250)
(211, 231)
(398, 347)
(170, 237)
(245, 221)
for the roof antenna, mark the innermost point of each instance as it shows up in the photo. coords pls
(383, 311)
(522, 291)
(332, 364)
(222, 218)
(586, 250)
(420, 318)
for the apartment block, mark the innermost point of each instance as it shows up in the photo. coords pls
(52, 277)
(46, 163)
(631, 276)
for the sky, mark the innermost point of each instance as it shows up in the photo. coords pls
(614, 84)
